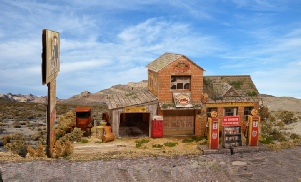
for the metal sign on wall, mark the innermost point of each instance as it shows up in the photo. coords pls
(50, 69)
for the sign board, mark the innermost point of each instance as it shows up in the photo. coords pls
(231, 121)
(135, 109)
(229, 104)
(50, 55)
(182, 99)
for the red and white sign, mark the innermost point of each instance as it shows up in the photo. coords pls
(231, 121)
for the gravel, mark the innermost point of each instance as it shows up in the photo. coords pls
(281, 165)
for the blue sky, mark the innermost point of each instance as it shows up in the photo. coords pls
(109, 42)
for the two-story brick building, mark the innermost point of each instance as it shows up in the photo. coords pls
(186, 97)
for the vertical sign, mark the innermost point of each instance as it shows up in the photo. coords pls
(50, 69)
(50, 55)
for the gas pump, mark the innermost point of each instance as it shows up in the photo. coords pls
(213, 131)
(252, 128)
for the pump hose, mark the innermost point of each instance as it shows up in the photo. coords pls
(246, 131)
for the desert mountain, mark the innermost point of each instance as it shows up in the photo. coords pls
(98, 98)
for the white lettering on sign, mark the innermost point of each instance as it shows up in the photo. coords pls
(255, 124)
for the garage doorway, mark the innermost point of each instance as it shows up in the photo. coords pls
(134, 125)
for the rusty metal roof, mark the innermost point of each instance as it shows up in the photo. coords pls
(164, 60)
(133, 98)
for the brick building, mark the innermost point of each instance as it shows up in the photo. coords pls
(178, 90)
(185, 96)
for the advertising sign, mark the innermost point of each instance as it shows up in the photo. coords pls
(182, 99)
(231, 121)
(50, 55)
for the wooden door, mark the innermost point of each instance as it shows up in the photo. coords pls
(179, 122)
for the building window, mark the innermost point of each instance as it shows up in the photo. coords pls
(230, 111)
(247, 111)
(209, 110)
(180, 83)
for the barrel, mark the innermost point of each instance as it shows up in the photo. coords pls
(99, 131)
(108, 137)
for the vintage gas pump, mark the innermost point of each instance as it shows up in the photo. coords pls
(252, 128)
(213, 131)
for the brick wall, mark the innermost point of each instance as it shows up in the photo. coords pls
(164, 78)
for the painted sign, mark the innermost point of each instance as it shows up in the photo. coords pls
(229, 104)
(182, 99)
(182, 66)
(50, 55)
(135, 109)
(231, 121)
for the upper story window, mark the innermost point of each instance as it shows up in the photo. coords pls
(180, 82)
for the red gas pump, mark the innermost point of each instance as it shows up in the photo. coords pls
(213, 131)
(157, 127)
(252, 128)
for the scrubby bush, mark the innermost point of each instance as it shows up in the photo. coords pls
(170, 144)
(63, 149)
(40, 151)
(140, 142)
(75, 136)
(286, 117)
(66, 122)
(16, 143)
(31, 151)
(157, 146)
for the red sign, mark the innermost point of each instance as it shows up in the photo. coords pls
(231, 121)
(182, 66)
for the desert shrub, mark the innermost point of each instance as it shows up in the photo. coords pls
(295, 136)
(66, 122)
(31, 151)
(264, 113)
(16, 143)
(194, 139)
(68, 148)
(85, 141)
(170, 144)
(63, 149)
(140, 142)
(157, 146)
(75, 136)
(40, 151)
(286, 117)
(58, 151)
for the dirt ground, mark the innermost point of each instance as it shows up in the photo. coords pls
(121, 160)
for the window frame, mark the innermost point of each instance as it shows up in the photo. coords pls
(180, 79)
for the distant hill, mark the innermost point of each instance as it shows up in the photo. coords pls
(98, 98)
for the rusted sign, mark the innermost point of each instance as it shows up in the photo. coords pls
(50, 55)
(135, 109)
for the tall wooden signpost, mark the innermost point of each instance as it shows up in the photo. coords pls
(50, 69)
